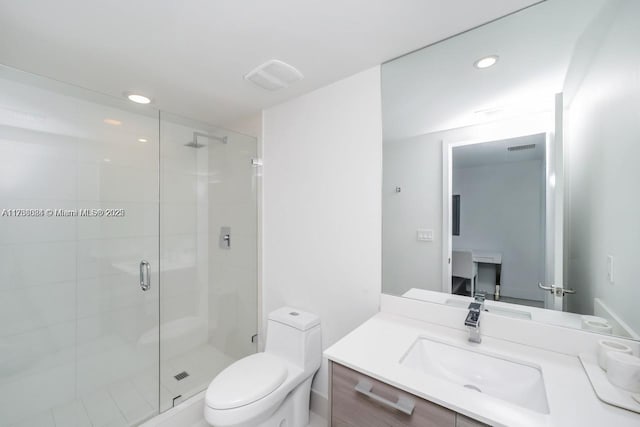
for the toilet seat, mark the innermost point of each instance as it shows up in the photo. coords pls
(246, 381)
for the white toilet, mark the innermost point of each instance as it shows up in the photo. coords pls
(270, 389)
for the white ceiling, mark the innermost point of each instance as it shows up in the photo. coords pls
(190, 56)
(438, 88)
(494, 152)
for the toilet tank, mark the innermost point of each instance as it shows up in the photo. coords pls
(295, 336)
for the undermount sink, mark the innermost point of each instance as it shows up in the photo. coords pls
(516, 382)
(510, 312)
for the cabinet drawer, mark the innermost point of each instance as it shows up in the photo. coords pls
(462, 421)
(351, 408)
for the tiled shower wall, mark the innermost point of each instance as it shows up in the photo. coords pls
(77, 334)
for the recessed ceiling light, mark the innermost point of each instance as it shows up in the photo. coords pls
(137, 98)
(142, 140)
(486, 62)
(112, 122)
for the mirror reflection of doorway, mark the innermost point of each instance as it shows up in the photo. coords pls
(499, 216)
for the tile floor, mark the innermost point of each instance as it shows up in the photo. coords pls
(315, 420)
(129, 402)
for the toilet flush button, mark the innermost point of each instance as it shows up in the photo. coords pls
(294, 313)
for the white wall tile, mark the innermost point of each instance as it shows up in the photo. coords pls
(109, 182)
(29, 308)
(109, 293)
(178, 218)
(123, 151)
(36, 177)
(140, 219)
(179, 187)
(98, 257)
(37, 263)
(32, 229)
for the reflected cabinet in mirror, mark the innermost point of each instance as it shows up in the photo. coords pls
(511, 167)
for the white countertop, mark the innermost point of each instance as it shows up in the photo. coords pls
(377, 346)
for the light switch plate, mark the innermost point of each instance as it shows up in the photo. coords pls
(424, 235)
(610, 268)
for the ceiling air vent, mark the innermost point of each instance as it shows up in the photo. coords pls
(521, 147)
(274, 75)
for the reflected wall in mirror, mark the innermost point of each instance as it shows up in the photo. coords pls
(537, 153)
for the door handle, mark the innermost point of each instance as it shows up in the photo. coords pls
(556, 290)
(145, 281)
(225, 237)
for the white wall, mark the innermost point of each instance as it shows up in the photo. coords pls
(321, 178)
(414, 165)
(502, 210)
(603, 150)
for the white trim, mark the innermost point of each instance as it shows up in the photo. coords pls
(188, 413)
(262, 332)
(319, 404)
(446, 215)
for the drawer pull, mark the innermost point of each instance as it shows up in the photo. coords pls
(404, 404)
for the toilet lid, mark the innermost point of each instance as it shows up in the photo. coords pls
(246, 381)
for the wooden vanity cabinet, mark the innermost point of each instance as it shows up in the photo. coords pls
(357, 400)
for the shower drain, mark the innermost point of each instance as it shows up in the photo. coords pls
(472, 387)
(184, 374)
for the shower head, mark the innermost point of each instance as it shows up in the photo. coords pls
(195, 144)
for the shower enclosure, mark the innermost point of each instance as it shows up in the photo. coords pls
(128, 254)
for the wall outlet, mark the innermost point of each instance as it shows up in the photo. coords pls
(424, 235)
(610, 268)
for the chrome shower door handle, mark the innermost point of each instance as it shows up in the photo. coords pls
(145, 281)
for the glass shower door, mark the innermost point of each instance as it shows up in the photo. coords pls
(79, 203)
(208, 253)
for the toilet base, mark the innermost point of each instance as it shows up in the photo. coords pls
(294, 411)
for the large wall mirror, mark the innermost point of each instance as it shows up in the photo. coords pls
(511, 167)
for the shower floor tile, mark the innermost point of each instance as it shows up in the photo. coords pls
(42, 420)
(72, 415)
(202, 364)
(101, 408)
(130, 402)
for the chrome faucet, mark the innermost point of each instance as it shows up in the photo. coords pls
(473, 318)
